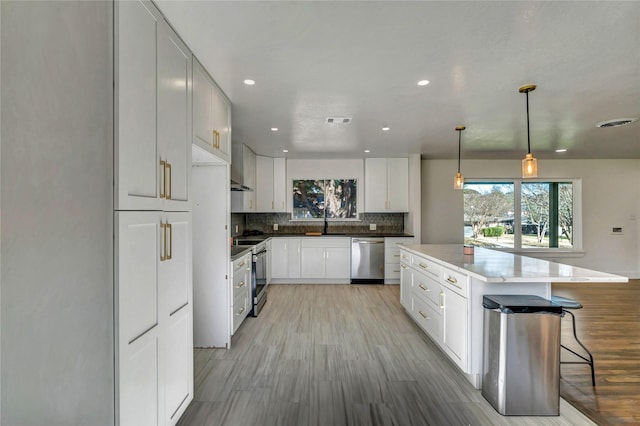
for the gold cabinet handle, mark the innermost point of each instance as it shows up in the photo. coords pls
(272, 205)
(170, 252)
(452, 280)
(423, 266)
(403, 266)
(240, 285)
(396, 255)
(441, 300)
(425, 316)
(163, 187)
(241, 264)
(404, 257)
(283, 205)
(167, 166)
(422, 286)
(240, 312)
(163, 245)
(250, 204)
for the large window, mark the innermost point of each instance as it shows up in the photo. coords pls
(325, 198)
(522, 215)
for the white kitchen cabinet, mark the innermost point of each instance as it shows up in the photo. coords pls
(285, 258)
(392, 258)
(386, 185)
(211, 115)
(153, 153)
(325, 257)
(280, 184)
(406, 284)
(270, 184)
(154, 312)
(241, 291)
(243, 171)
(454, 336)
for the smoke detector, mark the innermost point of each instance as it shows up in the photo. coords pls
(338, 120)
(616, 122)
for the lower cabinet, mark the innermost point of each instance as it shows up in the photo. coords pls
(241, 293)
(392, 258)
(436, 297)
(154, 316)
(285, 258)
(322, 258)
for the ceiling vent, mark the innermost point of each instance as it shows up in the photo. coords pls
(338, 120)
(616, 122)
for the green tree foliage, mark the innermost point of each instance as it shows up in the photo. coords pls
(484, 208)
(535, 206)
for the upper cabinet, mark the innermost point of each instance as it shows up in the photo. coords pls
(211, 114)
(153, 151)
(243, 173)
(270, 184)
(386, 185)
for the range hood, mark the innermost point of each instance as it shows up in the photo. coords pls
(243, 165)
(235, 186)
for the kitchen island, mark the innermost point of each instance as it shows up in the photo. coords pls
(441, 288)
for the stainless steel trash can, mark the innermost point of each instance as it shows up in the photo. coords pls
(521, 371)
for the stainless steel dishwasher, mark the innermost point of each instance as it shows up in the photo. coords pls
(367, 260)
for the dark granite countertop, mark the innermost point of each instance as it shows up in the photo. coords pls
(239, 251)
(259, 238)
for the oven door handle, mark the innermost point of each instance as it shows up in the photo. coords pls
(262, 252)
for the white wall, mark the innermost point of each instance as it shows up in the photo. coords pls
(610, 195)
(325, 169)
(413, 220)
(57, 214)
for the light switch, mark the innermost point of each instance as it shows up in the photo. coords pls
(372, 227)
(275, 226)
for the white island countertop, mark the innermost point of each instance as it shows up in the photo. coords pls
(494, 266)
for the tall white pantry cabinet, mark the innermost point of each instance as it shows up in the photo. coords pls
(153, 307)
(96, 223)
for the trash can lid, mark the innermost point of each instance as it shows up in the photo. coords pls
(520, 304)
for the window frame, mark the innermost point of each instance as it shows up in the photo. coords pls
(576, 183)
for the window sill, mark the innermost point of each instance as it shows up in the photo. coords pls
(546, 253)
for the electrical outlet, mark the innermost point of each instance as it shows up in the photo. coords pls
(275, 226)
(616, 230)
(372, 227)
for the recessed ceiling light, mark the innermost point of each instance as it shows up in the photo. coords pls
(249, 82)
(423, 82)
(285, 150)
(616, 122)
(274, 129)
(367, 151)
(385, 128)
(561, 150)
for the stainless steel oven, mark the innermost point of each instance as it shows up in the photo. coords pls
(259, 277)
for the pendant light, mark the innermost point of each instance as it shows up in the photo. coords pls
(529, 163)
(458, 181)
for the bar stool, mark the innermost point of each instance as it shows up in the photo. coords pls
(567, 304)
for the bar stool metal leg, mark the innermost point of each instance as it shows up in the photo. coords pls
(586, 360)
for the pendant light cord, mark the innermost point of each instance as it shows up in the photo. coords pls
(459, 136)
(528, 134)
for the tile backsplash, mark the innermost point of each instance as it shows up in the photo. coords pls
(386, 223)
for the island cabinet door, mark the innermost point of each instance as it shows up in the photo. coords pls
(454, 337)
(406, 277)
(279, 258)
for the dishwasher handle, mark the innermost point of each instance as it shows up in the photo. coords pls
(367, 241)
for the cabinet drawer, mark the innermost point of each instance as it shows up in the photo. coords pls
(455, 281)
(240, 309)
(392, 271)
(427, 288)
(428, 318)
(425, 265)
(241, 284)
(242, 263)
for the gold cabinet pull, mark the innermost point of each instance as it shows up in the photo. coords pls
(423, 266)
(283, 205)
(240, 311)
(272, 205)
(241, 264)
(240, 284)
(163, 245)
(422, 286)
(216, 139)
(250, 204)
(403, 266)
(170, 228)
(425, 316)
(163, 187)
(441, 300)
(452, 280)
(167, 166)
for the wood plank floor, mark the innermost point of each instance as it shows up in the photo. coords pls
(338, 355)
(609, 325)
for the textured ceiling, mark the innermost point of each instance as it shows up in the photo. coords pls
(312, 60)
